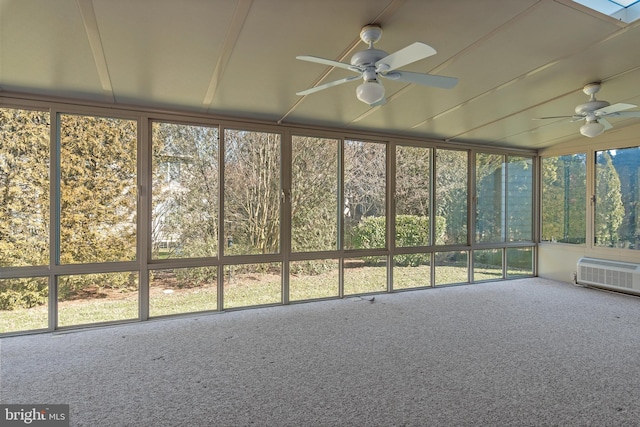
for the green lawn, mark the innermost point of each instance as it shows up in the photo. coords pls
(241, 290)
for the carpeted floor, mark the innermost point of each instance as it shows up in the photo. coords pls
(528, 352)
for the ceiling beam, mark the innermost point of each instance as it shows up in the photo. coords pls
(230, 40)
(93, 35)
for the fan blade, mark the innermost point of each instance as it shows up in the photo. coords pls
(327, 85)
(552, 117)
(422, 79)
(325, 62)
(613, 109)
(626, 114)
(412, 53)
(605, 123)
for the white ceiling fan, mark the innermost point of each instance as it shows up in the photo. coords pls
(372, 63)
(595, 111)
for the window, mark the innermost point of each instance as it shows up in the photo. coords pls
(564, 192)
(451, 197)
(98, 194)
(490, 206)
(519, 199)
(183, 290)
(412, 197)
(311, 279)
(252, 284)
(197, 214)
(487, 264)
(251, 192)
(24, 180)
(624, 10)
(95, 298)
(314, 194)
(519, 262)
(451, 267)
(366, 274)
(617, 198)
(185, 191)
(504, 198)
(24, 304)
(364, 195)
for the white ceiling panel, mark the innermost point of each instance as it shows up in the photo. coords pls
(39, 55)
(162, 51)
(515, 60)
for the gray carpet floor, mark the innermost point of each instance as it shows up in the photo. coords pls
(528, 352)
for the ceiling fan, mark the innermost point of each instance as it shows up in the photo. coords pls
(371, 63)
(595, 111)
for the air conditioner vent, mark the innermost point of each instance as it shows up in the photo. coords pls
(609, 274)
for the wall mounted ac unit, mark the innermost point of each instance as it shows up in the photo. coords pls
(615, 275)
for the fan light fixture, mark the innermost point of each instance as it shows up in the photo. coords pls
(370, 92)
(592, 129)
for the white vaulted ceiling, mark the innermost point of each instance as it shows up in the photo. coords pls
(515, 60)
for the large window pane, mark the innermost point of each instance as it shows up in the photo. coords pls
(617, 212)
(451, 197)
(314, 194)
(183, 290)
(24, 187)
(311, 279)
(490, 197)
(185, 191)
(519, 198)
(411, 271)
(23, 304)
(252, 284)
(412, 197)
(97, 189)
(94, 298)
(364, 195)
(487, 264)
(519, 262)
(252, 192)
(451, 267)
(367, 274)
(564, 198)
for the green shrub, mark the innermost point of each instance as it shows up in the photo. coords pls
(411, 231)
(23, 293)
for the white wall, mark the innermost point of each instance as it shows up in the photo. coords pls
(558, 261)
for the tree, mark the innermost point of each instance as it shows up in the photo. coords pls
(489, 197)
(609, 207)
(252, 191)
(98, 194)
(451, 194)
(185, 190)
(627, 164)
(519, 203)
(412, 180)
(314, 194)
(364, 184)
(564, 198)
(24, 187)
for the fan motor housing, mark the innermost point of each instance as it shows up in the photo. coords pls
(591, 106)
(367, 57)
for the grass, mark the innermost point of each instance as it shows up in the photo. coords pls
(241, 290)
